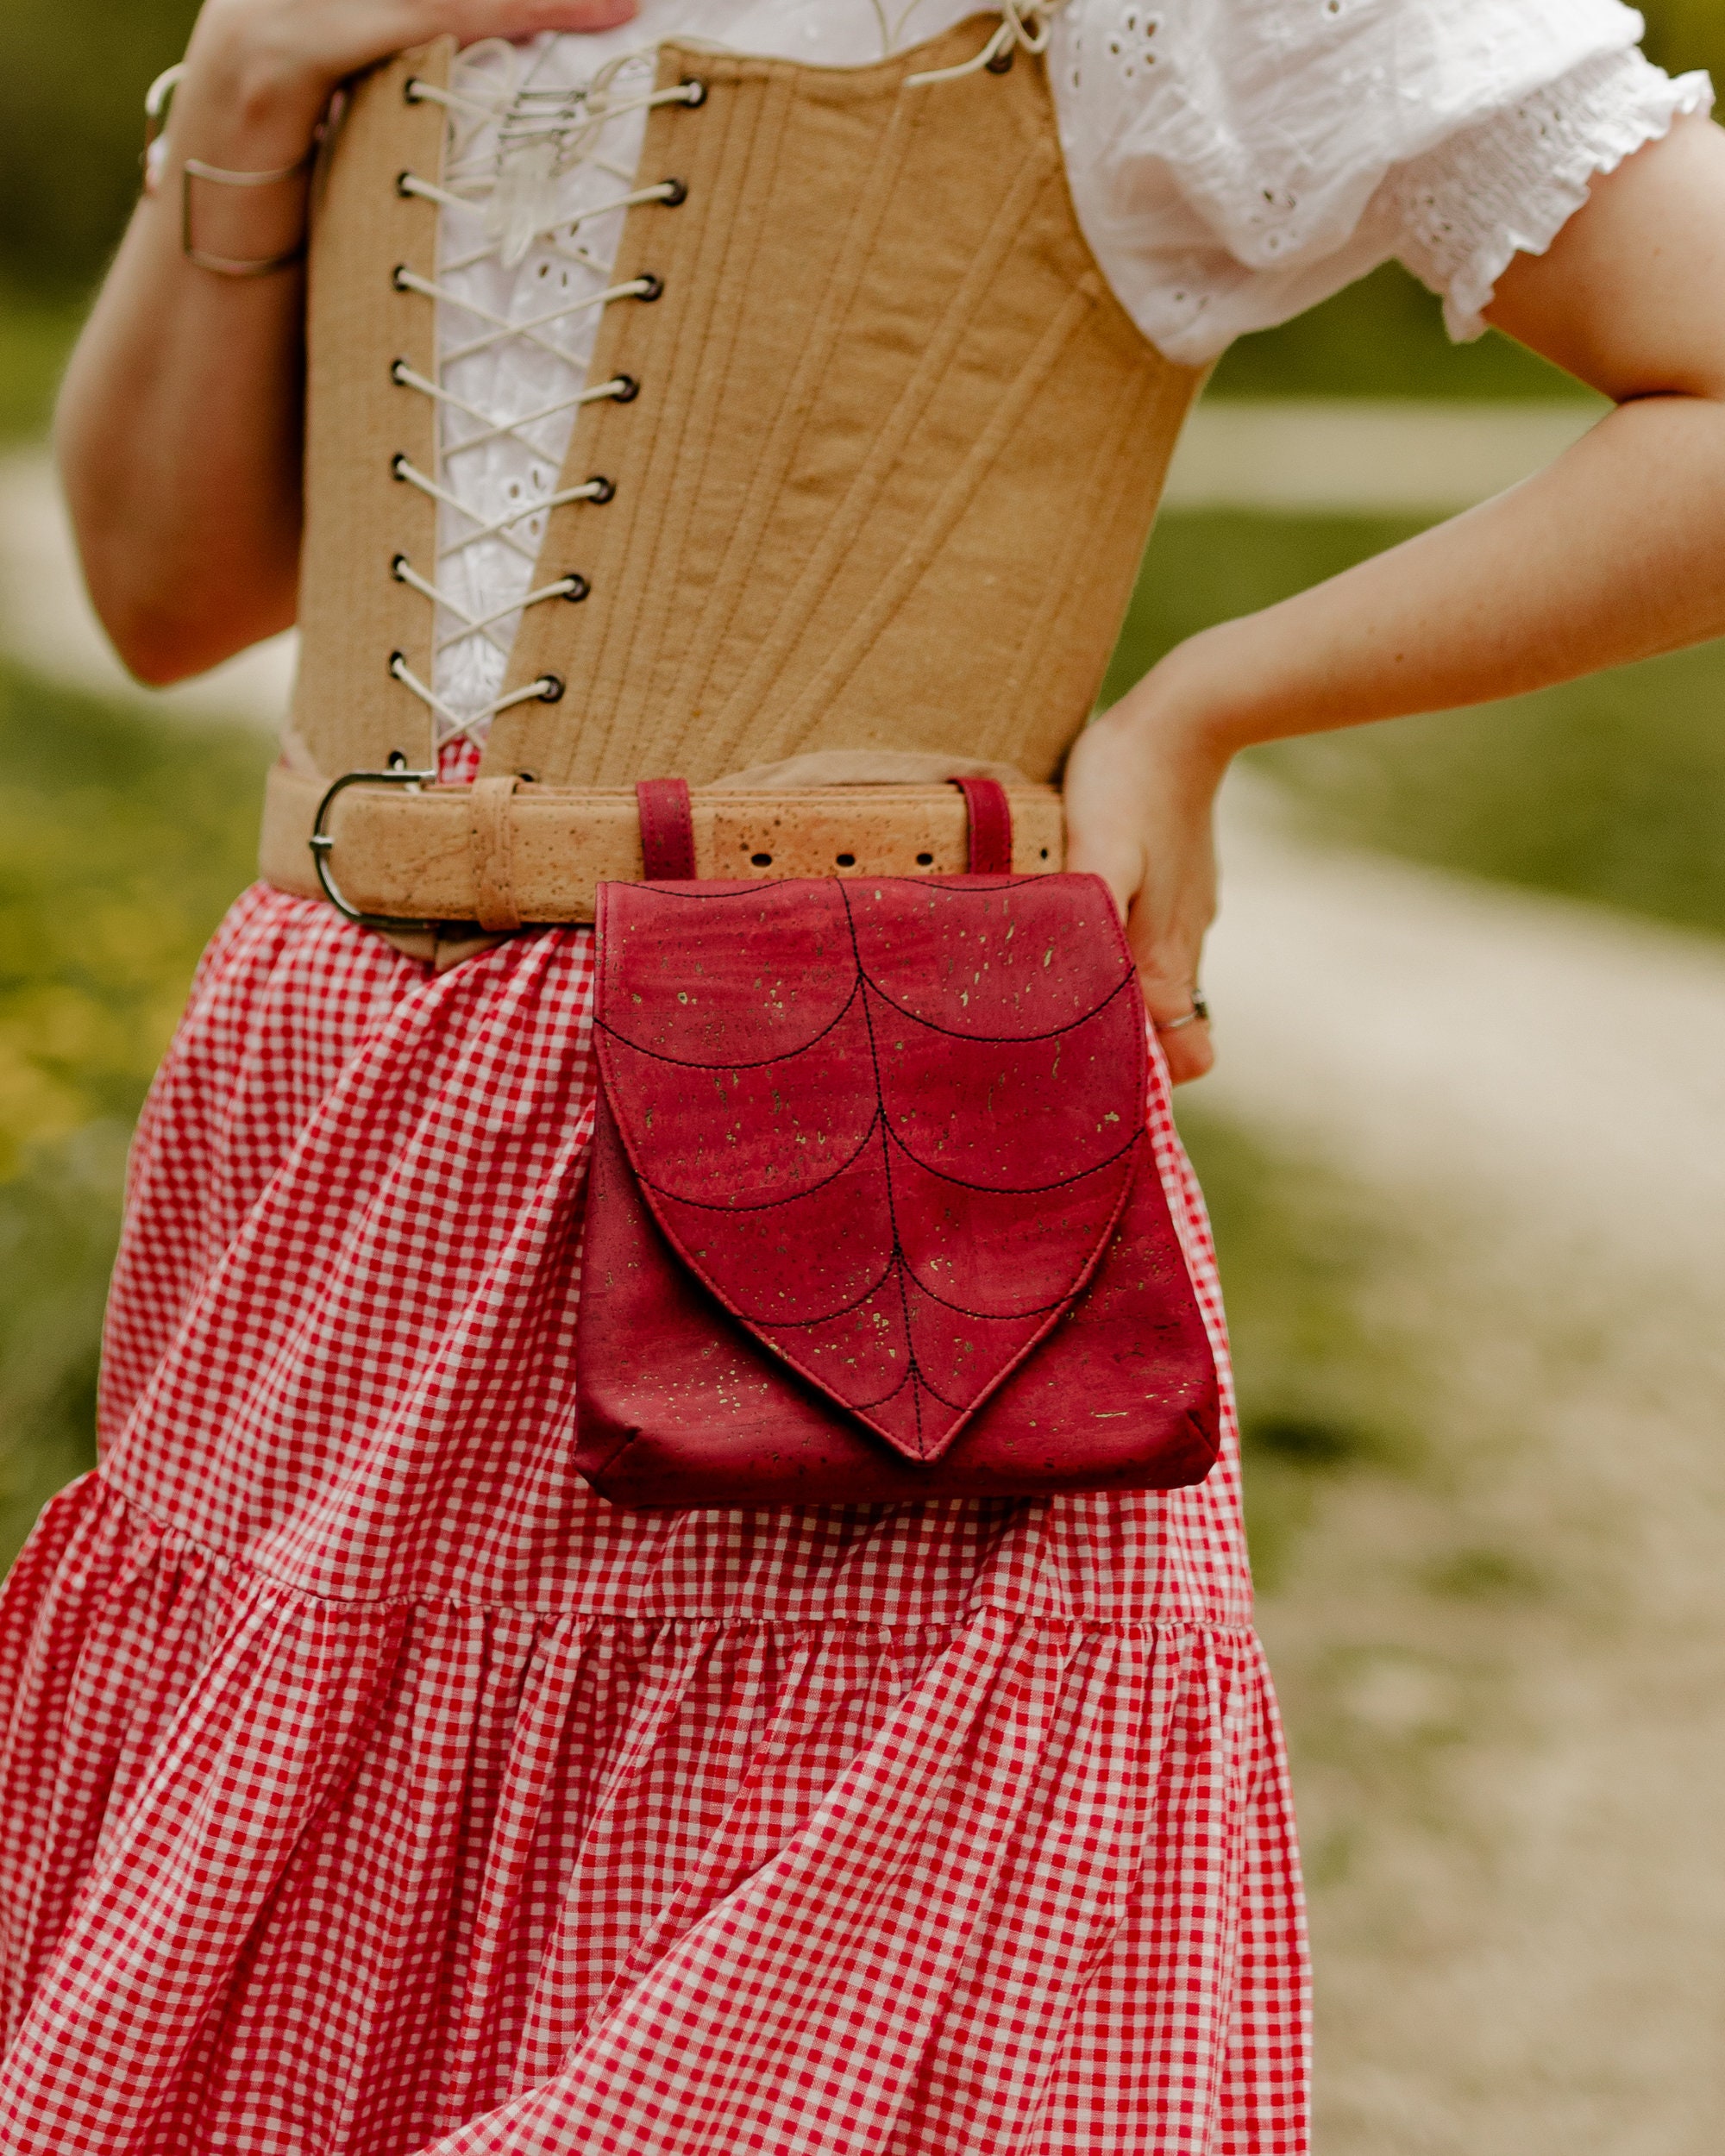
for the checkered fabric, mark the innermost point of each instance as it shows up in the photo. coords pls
(368, 1787)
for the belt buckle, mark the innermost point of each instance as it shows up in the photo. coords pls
(321, 843)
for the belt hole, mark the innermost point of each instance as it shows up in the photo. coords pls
(761, 861)
(847, 860)
(924, 860)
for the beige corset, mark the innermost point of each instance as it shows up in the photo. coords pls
(883, 483)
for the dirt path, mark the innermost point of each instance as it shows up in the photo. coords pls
(1504, 1674)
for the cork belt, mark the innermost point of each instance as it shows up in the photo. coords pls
(395, 850)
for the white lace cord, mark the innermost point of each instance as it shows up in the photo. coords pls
(1024, 23)
(568, 124)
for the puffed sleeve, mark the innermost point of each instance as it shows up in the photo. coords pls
(1232, 162)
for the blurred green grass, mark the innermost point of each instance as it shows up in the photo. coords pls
(123, 837)
(35, 337)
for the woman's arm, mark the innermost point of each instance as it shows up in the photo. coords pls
(178, 428)
(1615, 553)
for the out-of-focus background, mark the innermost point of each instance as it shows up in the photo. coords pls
(1466, 1149)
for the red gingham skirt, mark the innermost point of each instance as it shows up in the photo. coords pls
(367, 1786)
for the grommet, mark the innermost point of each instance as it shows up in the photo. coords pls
(651, 287)
(924, 860)
(624, 389)
(579, 587)
(604, 490)
(677, 193)
(550, 688)
(761, 861)
(694, 91)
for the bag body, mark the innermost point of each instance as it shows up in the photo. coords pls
(874, 1213)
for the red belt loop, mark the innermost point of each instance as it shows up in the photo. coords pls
(668, 831)
(991, 826)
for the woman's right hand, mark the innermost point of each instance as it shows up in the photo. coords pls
(259, 72)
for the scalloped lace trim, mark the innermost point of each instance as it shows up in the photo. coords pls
(1510, 185)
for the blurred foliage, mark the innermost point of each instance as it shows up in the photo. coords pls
(1610, 789)
(123, 837)
(71, 87)
(1384, 337)
(35, 335)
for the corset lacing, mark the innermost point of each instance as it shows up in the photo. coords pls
(516, 180)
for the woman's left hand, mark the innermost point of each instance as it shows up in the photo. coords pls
(1140, 787)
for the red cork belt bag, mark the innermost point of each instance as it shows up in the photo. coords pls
(874, 1212)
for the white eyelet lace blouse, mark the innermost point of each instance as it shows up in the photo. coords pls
(1231, 161)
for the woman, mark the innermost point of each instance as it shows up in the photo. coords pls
(371, 1786)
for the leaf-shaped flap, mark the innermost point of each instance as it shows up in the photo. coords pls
(719, 972)
(994, 959)
(890, 1125)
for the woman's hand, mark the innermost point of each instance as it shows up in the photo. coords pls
(1140, 785)
(259, 72)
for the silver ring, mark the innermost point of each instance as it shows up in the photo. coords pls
(1200, 1010)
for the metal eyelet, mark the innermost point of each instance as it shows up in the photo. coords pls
(624, 389)
(677, 195)
(579, 587)
(551, 688)
(694, 92)
(650, 287)
(604, 490)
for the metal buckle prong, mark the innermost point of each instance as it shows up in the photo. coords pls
(321, 842)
